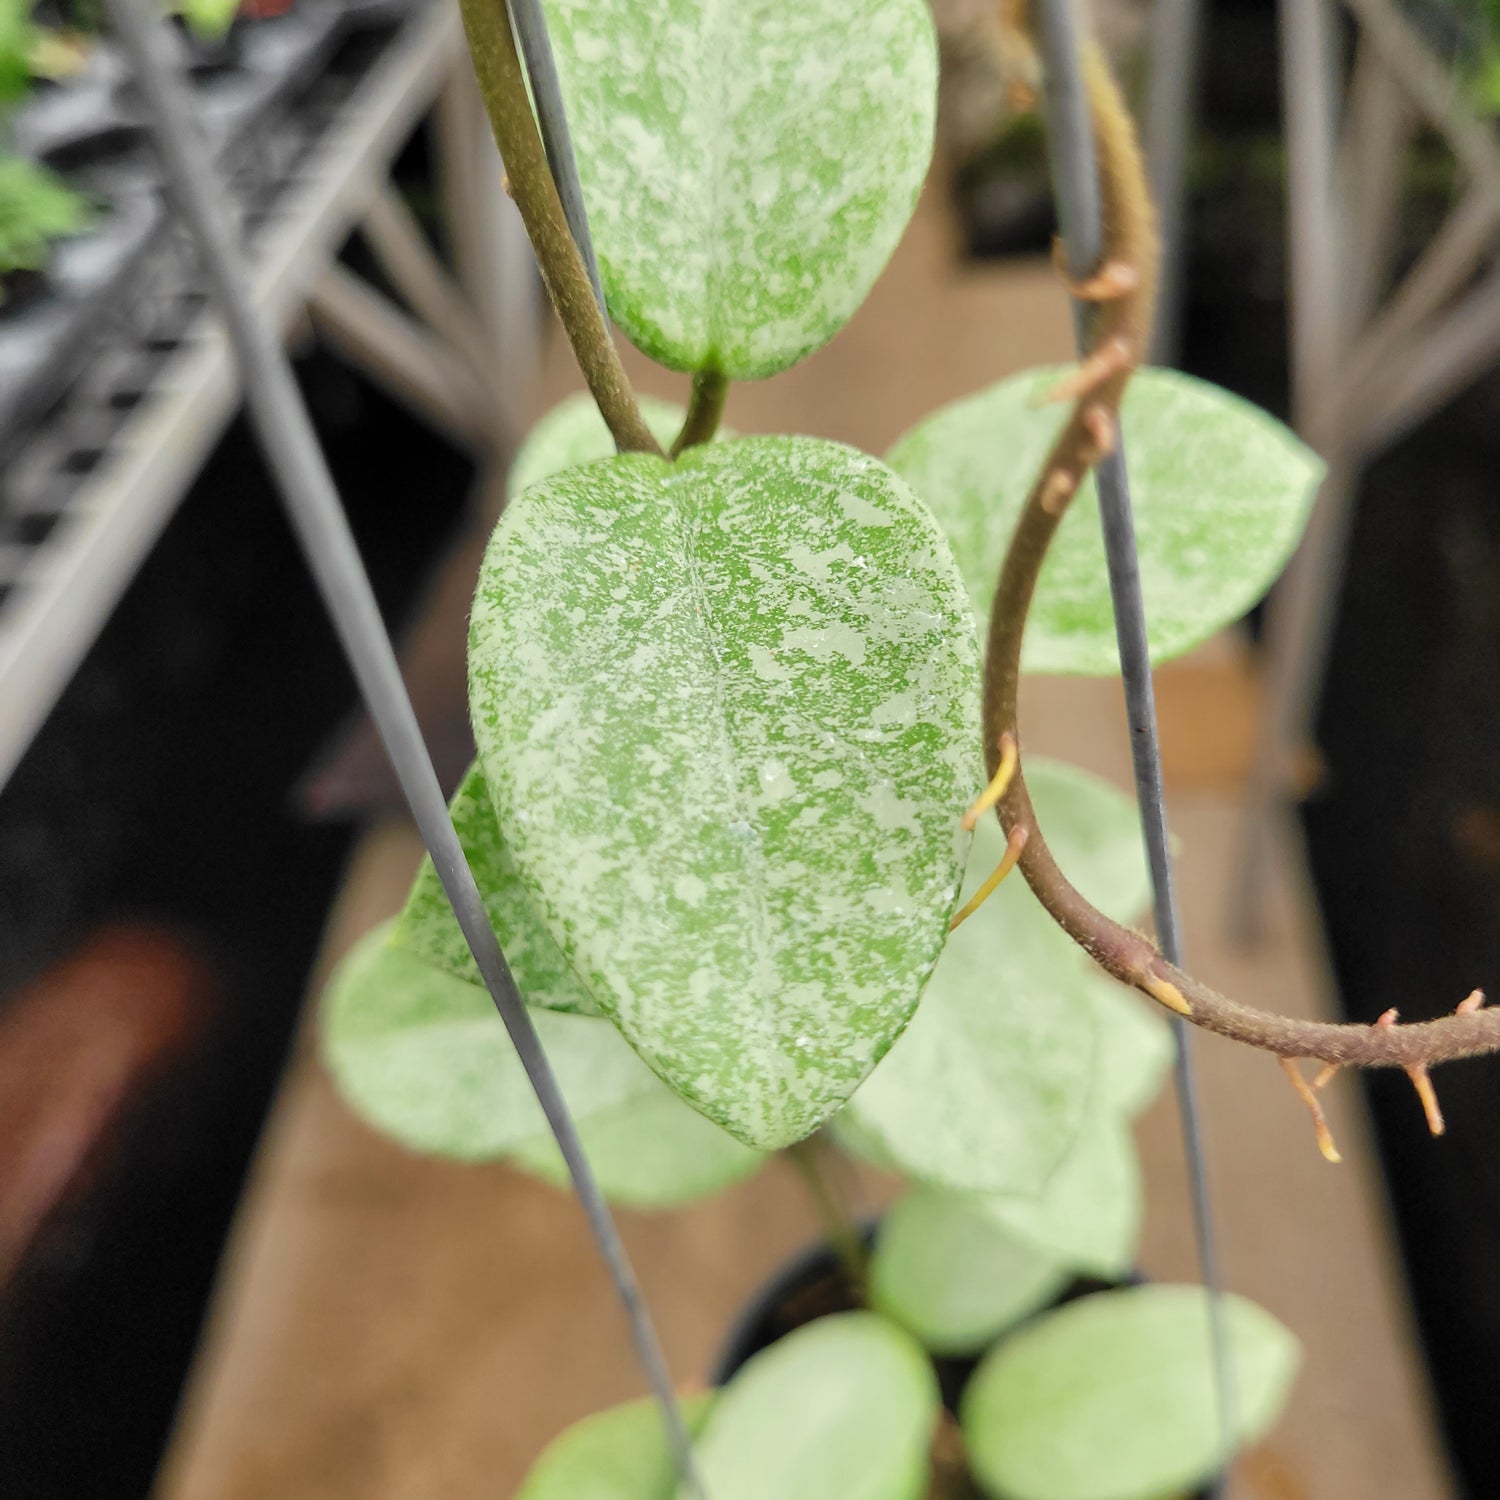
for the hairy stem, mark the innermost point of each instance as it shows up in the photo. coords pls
(1123, 323)
(503, 85)
(705, 407)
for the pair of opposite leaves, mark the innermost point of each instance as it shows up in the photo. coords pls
(727, 709)
(1107, 1398)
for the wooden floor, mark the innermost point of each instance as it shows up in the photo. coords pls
(394, 1328)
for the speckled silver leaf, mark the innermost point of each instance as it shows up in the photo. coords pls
(1112, 1397)
(574, 433)
(993, 1080)
(425, 1058)
(841, 1409)
(748, 165)
(428, 928)
(1220, 490)
(619, 1454)
(727, 710)
(652, 1152)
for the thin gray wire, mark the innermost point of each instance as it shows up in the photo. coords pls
(546, 94)
(1075, 177)
(291, 449)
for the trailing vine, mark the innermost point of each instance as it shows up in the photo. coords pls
(502, 81)
(1123, 289)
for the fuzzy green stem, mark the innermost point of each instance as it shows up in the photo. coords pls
(705, 407)
(502, 82)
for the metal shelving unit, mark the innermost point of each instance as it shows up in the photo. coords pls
(85, 494)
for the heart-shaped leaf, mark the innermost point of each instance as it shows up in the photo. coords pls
(652, 1152)
(727, 712)
(1112, 1396)
(428, 928)
(619, 1454)
(953, 1277)
(843, 1407)
(574, 433)
(1220, 490)
(424, 1057)
(1088, 1216)
(748, 165)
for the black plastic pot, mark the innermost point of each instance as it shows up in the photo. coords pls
(813, 1285)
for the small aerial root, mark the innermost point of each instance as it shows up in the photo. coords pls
(1314, 1107)
(999, 783)
(1164, 992)
(1116, 278)
(1421, 1080)
(1113, 358)
(1013, 847)
(1102, 430)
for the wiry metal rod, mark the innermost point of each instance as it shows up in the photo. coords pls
(1075, 177)
(552, 119)
(291, 449)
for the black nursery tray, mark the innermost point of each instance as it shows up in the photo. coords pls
(114, 377)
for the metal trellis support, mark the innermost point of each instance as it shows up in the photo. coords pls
(286, 434)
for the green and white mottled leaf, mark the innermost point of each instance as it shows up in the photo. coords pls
(990, 1084)
(1221, 492)
(953, 1277)
(428, 928)
(727, 711)
(1135, 1046)
(843, 1407)
(652, 1152)
(423, 1057)
(574, 433)
(1089, 1213)
(748, 165)
(1112, 1396)
(619, 1454)
(1094, 832)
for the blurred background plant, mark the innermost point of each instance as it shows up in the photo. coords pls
(36, 206)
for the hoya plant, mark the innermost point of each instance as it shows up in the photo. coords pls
(747, 788)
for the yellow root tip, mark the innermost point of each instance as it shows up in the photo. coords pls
(1428, 1095)
(1167, 993)
(1013, 847)
(1320, 1120)
(996, 789)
